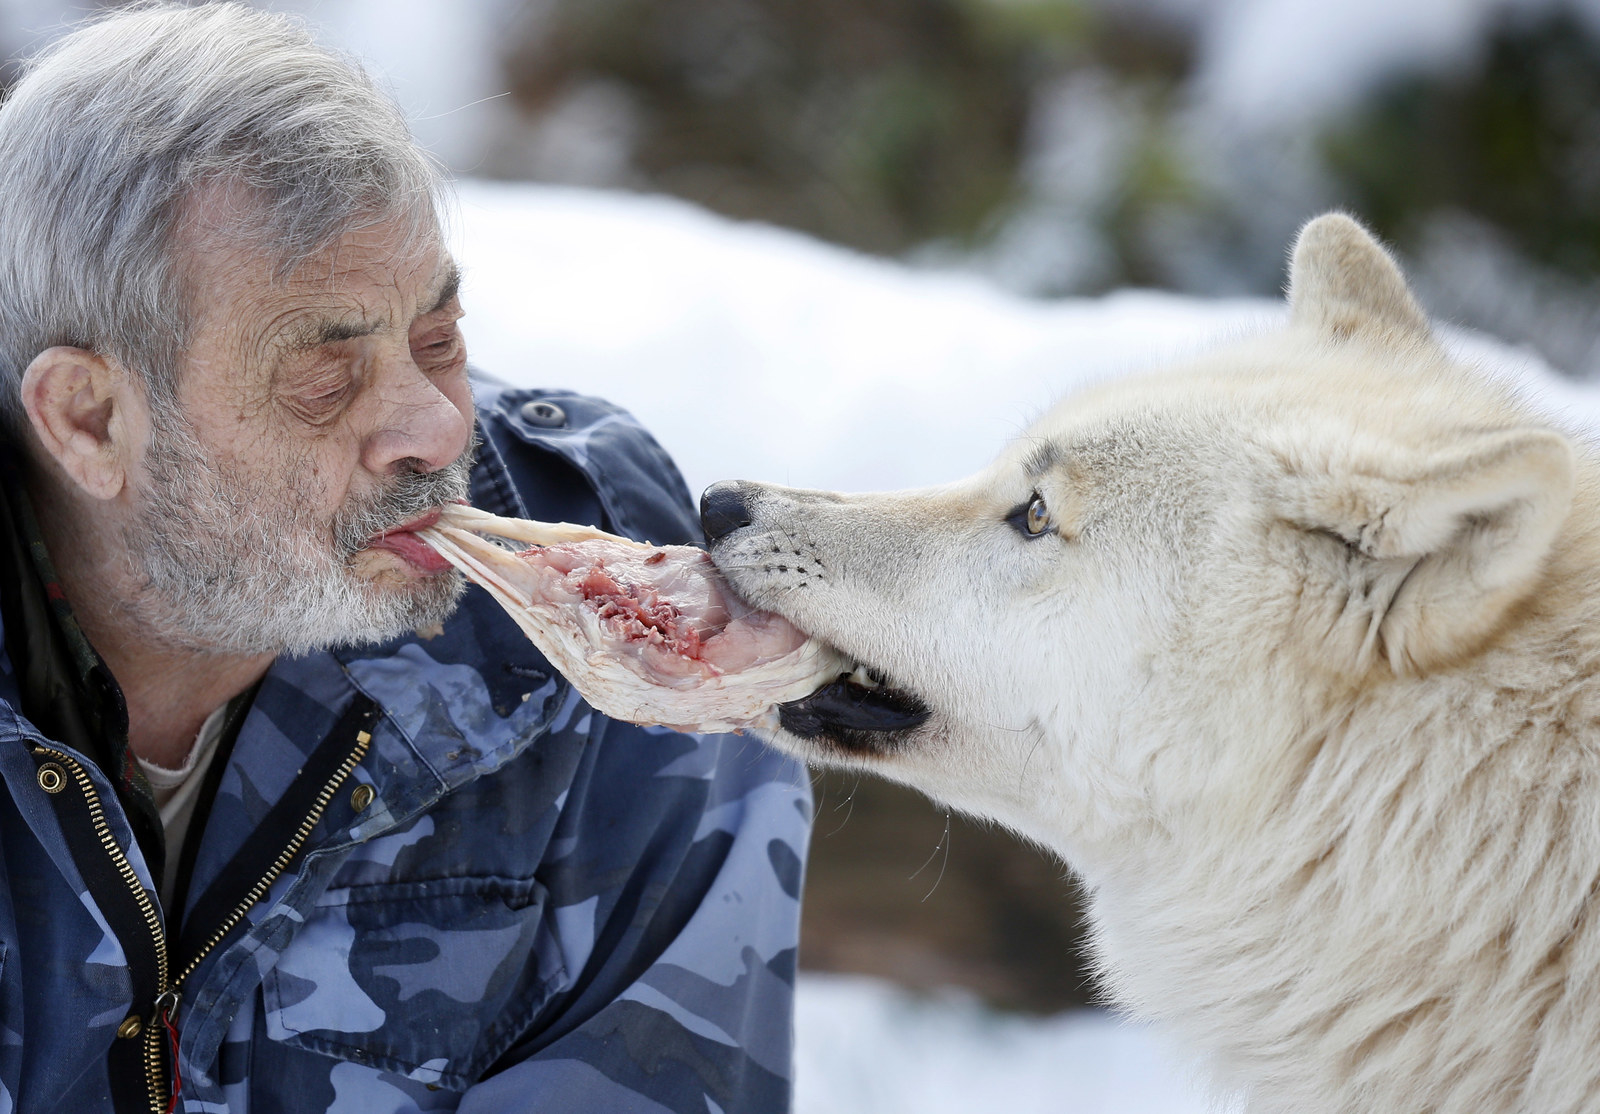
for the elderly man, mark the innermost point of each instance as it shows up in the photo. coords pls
(291, 823)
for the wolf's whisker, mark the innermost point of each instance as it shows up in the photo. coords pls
(1038, 741)
(849, 805)
(944, 842)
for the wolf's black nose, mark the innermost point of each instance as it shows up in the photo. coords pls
(723, 509)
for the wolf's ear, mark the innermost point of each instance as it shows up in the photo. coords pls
(1342, 283)
(1436, 550)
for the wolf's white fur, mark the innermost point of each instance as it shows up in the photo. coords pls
(1303, 683)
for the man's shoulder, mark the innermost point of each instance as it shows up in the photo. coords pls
(565, 456)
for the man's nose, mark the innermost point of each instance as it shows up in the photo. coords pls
(420, 422)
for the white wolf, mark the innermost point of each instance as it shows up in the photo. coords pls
(1294, 654)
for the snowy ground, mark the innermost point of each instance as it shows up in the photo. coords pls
(865, 1047)
(758, 353)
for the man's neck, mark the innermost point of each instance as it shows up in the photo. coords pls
(169, 691)
(170, 694)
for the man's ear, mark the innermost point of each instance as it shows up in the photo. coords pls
(88, 416)
(1433, 551)
(1343, 284)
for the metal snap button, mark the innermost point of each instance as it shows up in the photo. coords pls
(52, 778)
(130, 1028)
(361, 797)
(545, 415)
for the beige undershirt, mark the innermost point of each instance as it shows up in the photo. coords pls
(176, 792)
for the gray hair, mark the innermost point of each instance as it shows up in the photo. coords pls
(112, 130)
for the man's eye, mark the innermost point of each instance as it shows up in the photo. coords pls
(320, 404)
(441, 350)
(326, 398)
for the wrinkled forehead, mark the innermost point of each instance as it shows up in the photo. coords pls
(377, 276)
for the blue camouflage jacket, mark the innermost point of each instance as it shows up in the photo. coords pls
(432, 878)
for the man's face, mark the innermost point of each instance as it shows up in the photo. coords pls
(315, 414)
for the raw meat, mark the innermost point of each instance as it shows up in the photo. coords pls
(647, 634)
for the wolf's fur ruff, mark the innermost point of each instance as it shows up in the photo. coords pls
(1301, 675)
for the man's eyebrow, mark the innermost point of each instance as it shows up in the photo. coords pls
(448, 291)
(317, 333)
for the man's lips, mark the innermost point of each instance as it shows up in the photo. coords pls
(403, 542)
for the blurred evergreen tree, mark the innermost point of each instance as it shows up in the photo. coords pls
(875, 123)
(1511, 137)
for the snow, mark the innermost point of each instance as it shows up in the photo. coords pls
(866, 1047)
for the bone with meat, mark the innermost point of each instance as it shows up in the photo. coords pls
(647, 634)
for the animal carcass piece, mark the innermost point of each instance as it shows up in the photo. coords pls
(647, 634)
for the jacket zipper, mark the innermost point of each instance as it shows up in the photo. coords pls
(163, 1021)
(155, 1077)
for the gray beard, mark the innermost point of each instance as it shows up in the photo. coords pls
(228, 565)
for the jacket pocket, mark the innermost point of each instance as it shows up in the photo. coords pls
(431, 980)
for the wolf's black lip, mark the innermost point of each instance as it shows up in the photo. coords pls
(842, 707)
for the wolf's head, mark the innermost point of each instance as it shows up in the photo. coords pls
(1168, 579)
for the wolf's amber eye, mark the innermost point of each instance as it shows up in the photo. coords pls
(1037, 518)
(1033, 517)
